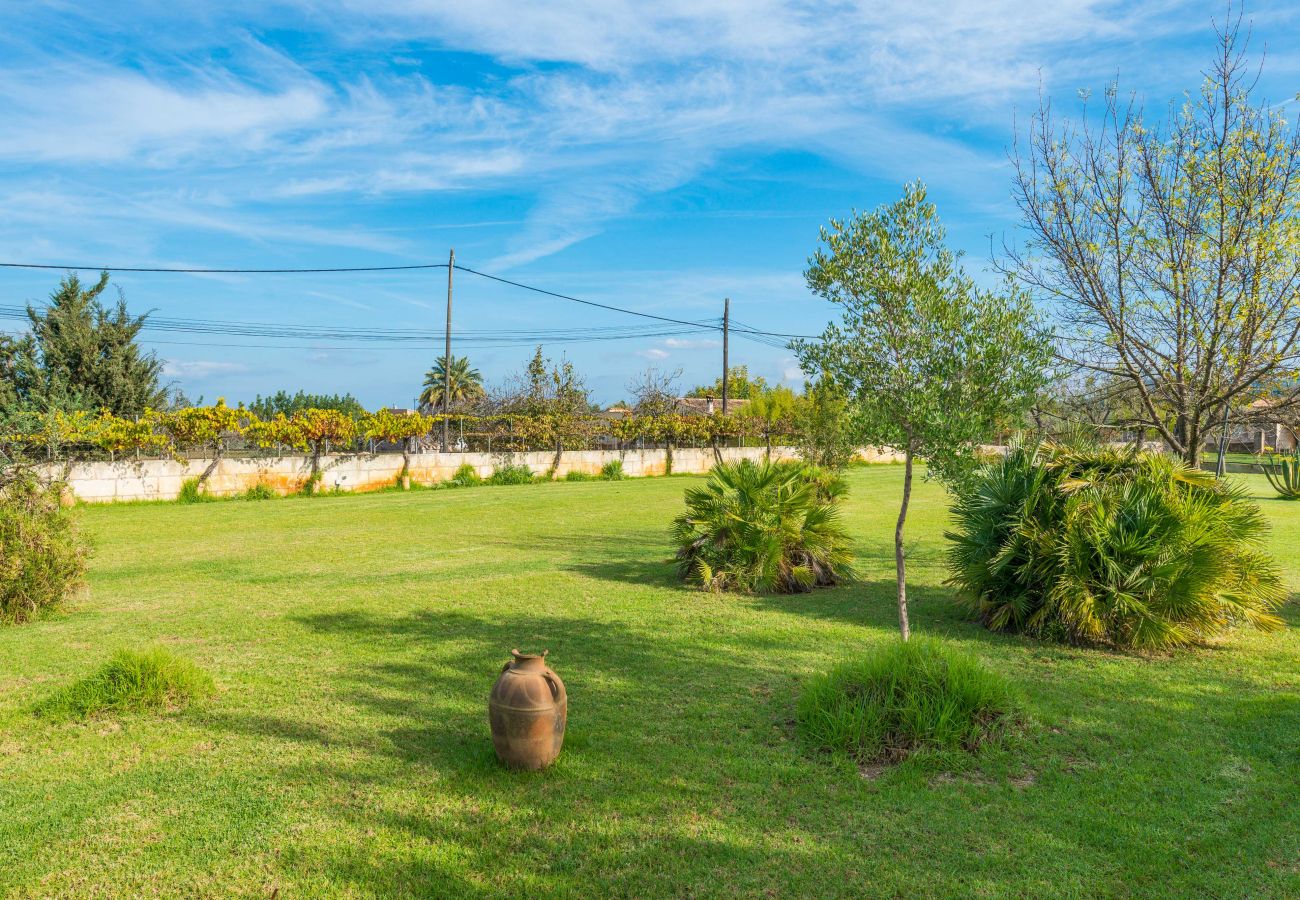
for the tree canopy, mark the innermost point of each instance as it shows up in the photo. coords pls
(1171, 250)
(81, 355)
(930, 363)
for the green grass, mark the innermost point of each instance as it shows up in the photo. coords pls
(347, 753)
(154, 680)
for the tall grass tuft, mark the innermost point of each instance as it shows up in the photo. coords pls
(42, 553)
(1114, 546)
(192, 492)
(131, 680)
(767, 526)
(612, 470)
(906, 696)
(511, 474)
(260, 491)
(466, 476)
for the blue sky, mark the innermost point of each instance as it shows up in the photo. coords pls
(653, 155)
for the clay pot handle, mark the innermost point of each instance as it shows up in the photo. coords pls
(554, 685)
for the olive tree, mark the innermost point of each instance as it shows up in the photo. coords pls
(931, 363)
(1171, 249)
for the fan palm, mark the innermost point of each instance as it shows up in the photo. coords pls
(466, 383)
(763, 527)
(1111, 546)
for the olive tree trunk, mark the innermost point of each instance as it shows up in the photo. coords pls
(899, 559)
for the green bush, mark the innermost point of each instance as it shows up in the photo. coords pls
(512, 474)
(466, 476)
(131, 680)
(1112, 546)
(42, 554)
(260, 491)
(763, 527)
(612, 470)
(581, 476)
(906, 696)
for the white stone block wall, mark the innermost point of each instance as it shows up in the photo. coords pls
(161, 479)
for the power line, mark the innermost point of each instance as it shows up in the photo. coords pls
(188, 271)
(711, 325)
(630, 312)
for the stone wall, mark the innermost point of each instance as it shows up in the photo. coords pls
(161, 479)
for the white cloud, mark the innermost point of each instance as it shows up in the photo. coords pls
(653, 353)
(90, 115)
(690, 343)
(598, 104)
(200, 368)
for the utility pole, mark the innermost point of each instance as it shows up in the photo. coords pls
(726, 334)
(446, 359)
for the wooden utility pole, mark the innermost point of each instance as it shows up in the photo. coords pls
(726, 334)
(446, 359)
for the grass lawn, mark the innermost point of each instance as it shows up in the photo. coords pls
(354, 639)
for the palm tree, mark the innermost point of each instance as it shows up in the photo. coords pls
(466, 383)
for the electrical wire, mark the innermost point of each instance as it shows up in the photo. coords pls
(188, 271)
(529, 287)
(755, 334)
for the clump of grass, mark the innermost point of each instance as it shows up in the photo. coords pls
(612, 470)
(466, 476)
(131, 680)
(903, 697)
(581, 476)
(192, 492)
(512, 474)
(260, 491)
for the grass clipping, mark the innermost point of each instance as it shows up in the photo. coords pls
(154, 680)
(905, 697)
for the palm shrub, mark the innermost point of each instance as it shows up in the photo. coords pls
(1283, 472)
(757, 527)
(906, 696)
(42, 554)
(1114, 546)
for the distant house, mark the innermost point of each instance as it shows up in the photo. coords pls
(1256, 436)
(707, 406)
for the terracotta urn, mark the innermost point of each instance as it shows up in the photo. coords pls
(528, 710)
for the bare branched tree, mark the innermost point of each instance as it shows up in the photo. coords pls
(655, 391)
(1172, 253)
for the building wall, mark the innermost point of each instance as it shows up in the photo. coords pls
(161, 479)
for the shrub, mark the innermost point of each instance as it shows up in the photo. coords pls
(260, 491)
(612, 470)
(762, 527)
(581, 476)
(906, 696)
(512, 474)
(466, 476)
(131, 680)
(1113, 546)
(42, 554)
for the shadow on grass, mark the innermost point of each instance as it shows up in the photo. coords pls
(681, 773)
